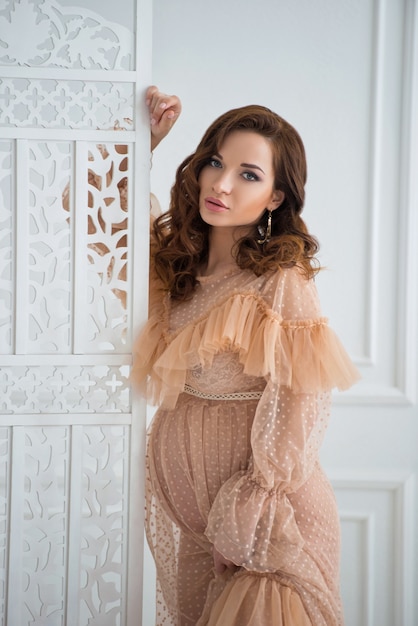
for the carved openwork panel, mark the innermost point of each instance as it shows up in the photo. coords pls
(65, 37)
(108, 173)
(68, 478)
(65, 324)
(64, 389)
(104, 525)
(41, 230)
(49, 249)
(45, 528)
(49, 103)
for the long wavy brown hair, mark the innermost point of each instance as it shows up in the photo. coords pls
(180, 241)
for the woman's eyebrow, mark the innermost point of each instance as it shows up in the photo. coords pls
(256, 167)
(252, 165)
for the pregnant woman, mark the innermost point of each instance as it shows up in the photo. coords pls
(241, 519)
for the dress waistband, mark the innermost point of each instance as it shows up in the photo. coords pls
(239, 395)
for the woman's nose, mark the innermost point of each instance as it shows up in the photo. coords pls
(222, 183)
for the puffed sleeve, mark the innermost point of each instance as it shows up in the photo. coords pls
(252, 521)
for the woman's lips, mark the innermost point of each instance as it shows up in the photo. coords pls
(213, 204)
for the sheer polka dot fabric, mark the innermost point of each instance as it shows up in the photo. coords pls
(241, 472)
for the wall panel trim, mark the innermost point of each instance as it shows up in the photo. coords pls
(401, 485)
(367, 524)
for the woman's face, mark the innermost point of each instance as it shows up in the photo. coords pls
(237, 185)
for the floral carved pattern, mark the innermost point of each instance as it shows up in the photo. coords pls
(103, 524)
(107, 242)
(49, 253)
(63, 37)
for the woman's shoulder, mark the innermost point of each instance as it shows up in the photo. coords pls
(273, 288)
(292, 294)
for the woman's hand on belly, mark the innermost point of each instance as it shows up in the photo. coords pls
(221, 563)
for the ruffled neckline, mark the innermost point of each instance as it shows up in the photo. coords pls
(304, 355)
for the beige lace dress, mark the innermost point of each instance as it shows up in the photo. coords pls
(242, 375)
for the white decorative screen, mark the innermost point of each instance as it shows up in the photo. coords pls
(69, 487)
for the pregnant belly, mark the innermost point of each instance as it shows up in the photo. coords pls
(193, 450)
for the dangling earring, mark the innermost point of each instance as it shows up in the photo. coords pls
(266, 234)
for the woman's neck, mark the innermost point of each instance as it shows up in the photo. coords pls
(221, 242)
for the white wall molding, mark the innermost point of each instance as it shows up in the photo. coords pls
(373, 395)
(366, 523)
(402, 387)
(407, 353)
(376, 115)
(399, 486)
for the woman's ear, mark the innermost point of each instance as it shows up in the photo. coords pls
(277, 199)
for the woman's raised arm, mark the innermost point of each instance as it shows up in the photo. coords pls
(164, 111)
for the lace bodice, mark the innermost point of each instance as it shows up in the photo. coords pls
(226, 375)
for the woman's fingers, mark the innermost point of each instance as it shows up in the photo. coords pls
(162, 105)
(164, 110)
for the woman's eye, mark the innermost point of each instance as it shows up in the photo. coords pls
(215, 163)
(250, 176)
